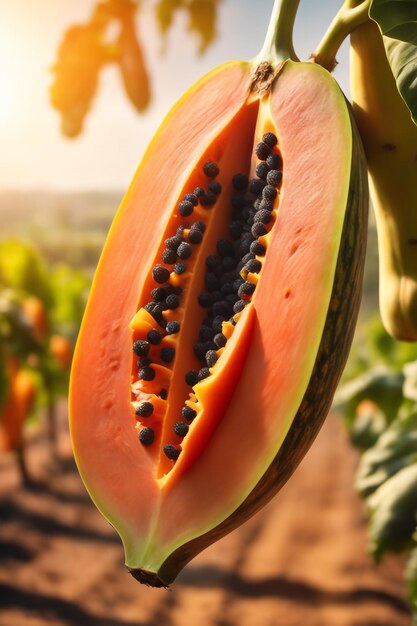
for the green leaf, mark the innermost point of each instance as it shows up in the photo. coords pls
(395, 449)
(393, 509)
(397, 20)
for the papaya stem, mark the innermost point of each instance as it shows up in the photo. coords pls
(353, 13)
(278, 44)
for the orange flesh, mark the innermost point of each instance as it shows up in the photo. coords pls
(273, 347)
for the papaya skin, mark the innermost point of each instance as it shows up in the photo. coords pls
(390, 140)
(296, 332)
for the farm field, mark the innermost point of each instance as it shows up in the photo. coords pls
(301, 561)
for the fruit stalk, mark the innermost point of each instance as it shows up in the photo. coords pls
(278, 44)
(350, 16)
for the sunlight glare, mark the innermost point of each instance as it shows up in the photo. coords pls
(9, 75)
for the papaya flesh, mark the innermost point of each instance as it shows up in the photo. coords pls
(186, 416)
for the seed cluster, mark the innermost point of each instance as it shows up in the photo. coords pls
(229, 280)
(166, 296)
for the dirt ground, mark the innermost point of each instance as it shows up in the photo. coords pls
(301, 562)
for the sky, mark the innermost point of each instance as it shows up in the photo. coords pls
(33, 152)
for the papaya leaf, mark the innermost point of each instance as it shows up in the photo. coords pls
(393, 509)
(410, 382)
(395, 449)
(397, 20)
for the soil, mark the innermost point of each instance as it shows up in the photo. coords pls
(301, 561)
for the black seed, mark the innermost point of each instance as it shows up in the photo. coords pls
(179, 268)
(262, 170)
(262, 150)
(215, 187)
(146, 436)
(211, 169)
(143, 362)
(141, 347)
(160, 274)
(257, 248)
(199, 350)
(226, 288)
(198, 225)
(173, 242)
(188, 413)
(145, 409)
(220, 340)
(195, 236)
(239, 306)
(204, 299)
(259, 229)
(205, 333)
(154, 336)
(159, 294)
(274, 161)
(238, 200)
(236, 228)
(221, 308)
(247, 257)
(167, 354)
(169, 256)
(266, 204)
(146, 373)
(228, 263)
(172, 452)
(246, 289)
(184, 250)
(254, 266)
(225, 248)
(181, 429)
(155, 309)
(191, 197)
(208, 199)
(263, 216)
(236, 284)
(274, 178)
(163, 394)
(180, 230)
(199, 192)
(211, 282)
(269, 193)
(172, 301)
(240, 182)
(216, 295)
(217, 323)
(270, 139)
(203, 373)
(256, 185)
(185, 208)
(191, 378)
(172, 328)
(231, 298)
(211, 358)
(213, 263)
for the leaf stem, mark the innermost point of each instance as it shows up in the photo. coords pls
(352, 14)
(278, 44)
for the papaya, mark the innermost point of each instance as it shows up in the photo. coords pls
(34, 310)
(390, 139)
(16, 408)
(61, 349)
(222, 309)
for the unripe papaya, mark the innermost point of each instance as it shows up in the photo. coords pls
(390, 140)
(222, 310)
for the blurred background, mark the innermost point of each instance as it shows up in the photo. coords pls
(83, 87)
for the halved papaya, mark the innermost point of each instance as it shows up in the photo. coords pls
(222, 310)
